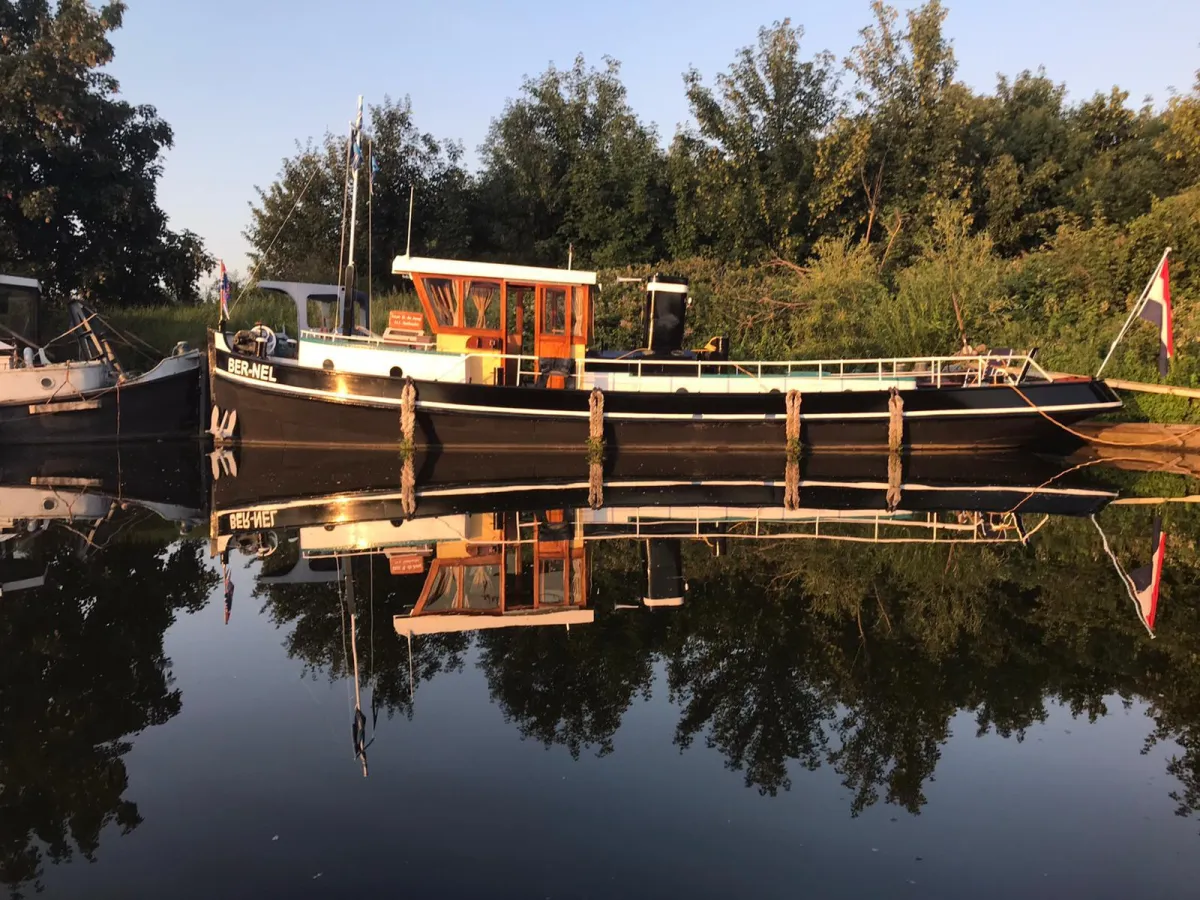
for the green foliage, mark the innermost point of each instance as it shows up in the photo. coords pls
(568, 165)
(78, 205)
(743, 177)
(296, 227)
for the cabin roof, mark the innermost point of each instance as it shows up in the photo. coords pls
(19, 281)
(300, 290)
(462, 268)
(445, 623)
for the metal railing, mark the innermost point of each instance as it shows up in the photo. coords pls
(935, 371)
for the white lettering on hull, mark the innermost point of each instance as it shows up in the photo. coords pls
(247, 369)
(252, 520)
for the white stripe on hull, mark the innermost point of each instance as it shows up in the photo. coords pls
(390, 402)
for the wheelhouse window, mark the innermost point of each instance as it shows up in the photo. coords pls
(554, 576)
(554, 311)
(481, 587)
(321, 312)
(443, 594)
(443, 300)
(483, 305)
(18, 310)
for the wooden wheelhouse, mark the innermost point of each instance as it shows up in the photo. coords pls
(510, 311)
(516, 571)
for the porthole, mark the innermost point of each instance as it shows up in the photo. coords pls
(681, 390)
(327, 365)
(47, 383)
(49, 504)
(396, 372)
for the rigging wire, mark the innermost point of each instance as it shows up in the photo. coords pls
(270, 246)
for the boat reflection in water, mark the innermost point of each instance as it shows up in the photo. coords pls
(510, 553)
(474, 553)
(96, 494)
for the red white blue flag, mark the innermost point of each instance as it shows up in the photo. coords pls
(223, 290)
(1146, 581)
(1157, 310)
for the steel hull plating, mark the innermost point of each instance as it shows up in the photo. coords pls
(281, 403)
(166, 406)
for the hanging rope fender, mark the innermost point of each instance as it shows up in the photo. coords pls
(895, 476)
(793, 415)
(895, 420)
(791, 485)
(596, 415)
(408, 410)
(792, 422)
(595, 448)
(596, 485)
(408, 488)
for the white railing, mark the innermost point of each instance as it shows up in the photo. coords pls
(968, 371)
(766, 524)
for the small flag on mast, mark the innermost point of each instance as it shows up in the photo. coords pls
(1157, 310)
(1147, 580)
(223, 289)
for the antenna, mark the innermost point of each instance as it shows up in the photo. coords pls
(570, 255)
(412, 189)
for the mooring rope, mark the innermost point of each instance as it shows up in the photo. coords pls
(1177, 438)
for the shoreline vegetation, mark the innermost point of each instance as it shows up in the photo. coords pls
(822, 207)
(1068, 299)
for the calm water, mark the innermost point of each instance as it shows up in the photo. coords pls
(755, 702)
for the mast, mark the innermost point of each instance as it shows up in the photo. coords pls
(355, 161)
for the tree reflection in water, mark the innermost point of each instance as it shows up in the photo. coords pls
(804, 653)
(82, 670)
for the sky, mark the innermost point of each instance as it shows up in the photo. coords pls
(241, 81)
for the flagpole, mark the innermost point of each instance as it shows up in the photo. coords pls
(1137, 308)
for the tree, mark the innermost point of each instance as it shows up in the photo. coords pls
(567, 166)
(82, 669)
(907, 140)
(296, 226)
(742, 179)
(1180, 143)
(78, 205)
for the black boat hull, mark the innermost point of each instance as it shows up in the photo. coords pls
(313, 487)
(285, 404)
(160, 408)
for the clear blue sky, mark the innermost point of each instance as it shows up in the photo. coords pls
(241, 80)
